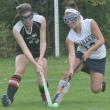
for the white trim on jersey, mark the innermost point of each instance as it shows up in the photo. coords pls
(37, 18)
(18, 26)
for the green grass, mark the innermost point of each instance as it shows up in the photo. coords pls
(79, 97)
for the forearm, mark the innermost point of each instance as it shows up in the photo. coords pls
(71, 61)
(71, 55)
(43, 38)
(23, 46)
(98, 44)
(70, 70)
(29, 56)
(42, 50)
(99, 36)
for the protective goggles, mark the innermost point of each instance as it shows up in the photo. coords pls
(71, 17)
(25, 18)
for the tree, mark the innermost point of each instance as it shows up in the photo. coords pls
(96, 9)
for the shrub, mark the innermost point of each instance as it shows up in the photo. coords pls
(7, 42)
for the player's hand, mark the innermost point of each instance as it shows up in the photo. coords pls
(86, 55)
(40, 61)
(39, 68)
(67, 74)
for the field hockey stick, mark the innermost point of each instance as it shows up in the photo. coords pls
(75, 70)
(61, 89)
(47, 94)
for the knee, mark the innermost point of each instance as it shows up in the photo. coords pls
(96, 89)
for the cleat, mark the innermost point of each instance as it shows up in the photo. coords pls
(103, 86)
(6, 101)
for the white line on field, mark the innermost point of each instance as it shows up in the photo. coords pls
(26, 81)
(34, 80)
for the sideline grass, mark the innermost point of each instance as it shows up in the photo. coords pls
(79, 97)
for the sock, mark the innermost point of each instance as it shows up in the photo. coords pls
(42, 92)
(13, 86)
(103, 86)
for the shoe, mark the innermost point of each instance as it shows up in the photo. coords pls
(103, 86)
(6, 101)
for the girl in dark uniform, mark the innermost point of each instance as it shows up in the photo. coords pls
(30, 34)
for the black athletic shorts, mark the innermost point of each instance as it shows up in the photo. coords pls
(34, 54)
(95, 65)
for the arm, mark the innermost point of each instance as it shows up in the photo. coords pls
(100, 39)
(24, 48)
(71, 55)
(42, 38)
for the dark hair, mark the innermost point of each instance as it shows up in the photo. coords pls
(16, 19)
(23, 8)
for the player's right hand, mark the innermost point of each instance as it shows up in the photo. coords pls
(39, 68)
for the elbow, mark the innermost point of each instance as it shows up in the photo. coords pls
(72, 56)
(103, 41)
(13, 31)
(44, 44)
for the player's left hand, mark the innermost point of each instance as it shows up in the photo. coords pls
(67, 74)
(40, 61)
(86, 55)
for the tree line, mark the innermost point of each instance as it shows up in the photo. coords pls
(96, 9)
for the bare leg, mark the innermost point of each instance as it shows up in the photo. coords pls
(13, 85)
(96, 82)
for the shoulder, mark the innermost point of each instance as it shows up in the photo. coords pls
(90, 22)
(71, 35)
(71, 32)
(38, 18)
(18, 26)
(87, 24)
(87, 21)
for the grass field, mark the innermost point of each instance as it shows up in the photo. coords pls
(79, 97)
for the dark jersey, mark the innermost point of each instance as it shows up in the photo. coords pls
(32, 39)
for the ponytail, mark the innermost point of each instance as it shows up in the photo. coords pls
(70, 4)
(16, 19)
